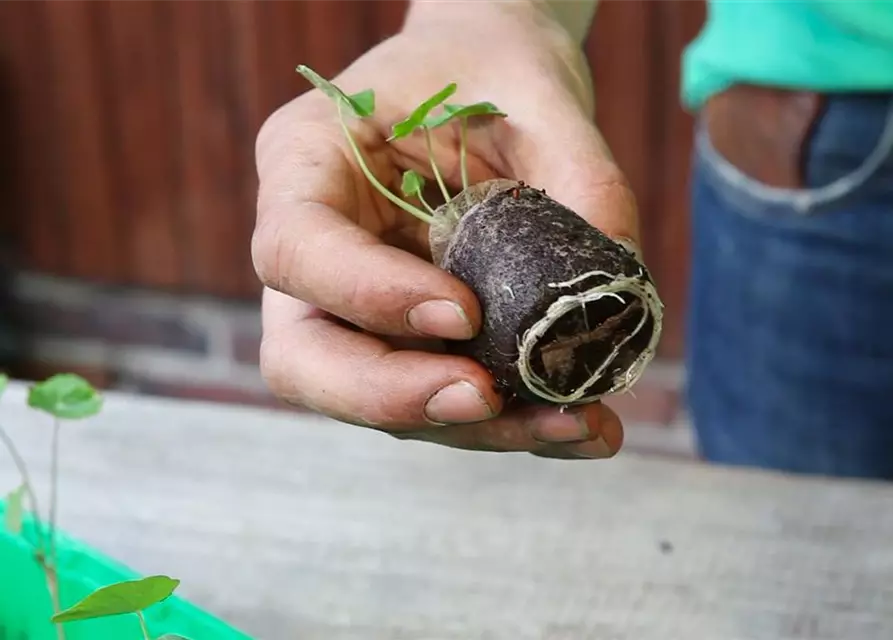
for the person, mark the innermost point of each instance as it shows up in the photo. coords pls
(790, 322)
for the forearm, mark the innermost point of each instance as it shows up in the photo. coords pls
(575, 16)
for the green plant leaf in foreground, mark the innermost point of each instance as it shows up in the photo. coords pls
(4, 381)
(412, 184)
(14, 510)
(454, 111)
(171, 636)
(65, 395)
(420, 113)
(130, 596)
(362, 104)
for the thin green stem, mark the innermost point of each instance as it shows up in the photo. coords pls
(424, 202)
(54, 490)
(463, 150)
(43, 544)
(53, 586)
(22, 468)
(145, 629)
(443, 189)
(51, 560)
(418, 213)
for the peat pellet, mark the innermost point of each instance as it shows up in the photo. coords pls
(569, 315)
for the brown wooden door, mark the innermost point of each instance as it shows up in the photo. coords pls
(128, 128)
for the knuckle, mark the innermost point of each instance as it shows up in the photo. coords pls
(278, 257)
(269, 131)
(272, 366)
(359, 295)
(281, 378)
(266, 249)
(373, 407)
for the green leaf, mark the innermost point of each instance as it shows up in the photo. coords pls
(172, 636)
(4, 381)
(453, 111)
(14, 510)
(65, 395)
(417, 117)
(362, 104)
(412, 184)
(116, 599)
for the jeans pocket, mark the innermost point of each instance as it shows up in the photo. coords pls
(850, 149)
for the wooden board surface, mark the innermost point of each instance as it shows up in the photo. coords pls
(297, 527)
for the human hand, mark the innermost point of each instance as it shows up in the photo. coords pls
(352, 306)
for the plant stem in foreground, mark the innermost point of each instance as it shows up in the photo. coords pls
(53, 587)
(425, 202)
(145, 629)
(443, 189)
(50, 562)
(26, 482)
(54, 490)
(463, 151)
(418, 213)
(43, 539)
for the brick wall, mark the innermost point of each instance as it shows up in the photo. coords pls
(204, 348)
(141, 341)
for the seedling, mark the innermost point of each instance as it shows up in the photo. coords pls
(64, 397)
(417, 119)
(463, 113)
(569, 315)
(413, 185)
(129, 597)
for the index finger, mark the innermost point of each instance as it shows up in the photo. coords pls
(307, 245)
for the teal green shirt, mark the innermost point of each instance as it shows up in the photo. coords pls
(819, 45)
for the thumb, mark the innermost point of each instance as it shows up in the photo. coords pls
(568, 157)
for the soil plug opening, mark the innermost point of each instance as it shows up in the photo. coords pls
(569, 314)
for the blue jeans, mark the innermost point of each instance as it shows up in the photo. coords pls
(790, 321)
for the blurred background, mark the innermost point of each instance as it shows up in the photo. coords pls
(128, 185)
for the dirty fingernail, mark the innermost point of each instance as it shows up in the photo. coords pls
(458, 403)
(440, 318)
(631, 246)
(554, 427)
(595, 449)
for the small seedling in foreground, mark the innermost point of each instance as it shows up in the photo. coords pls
(129, 597)
(64, 396)
(417, 120)
(362, 105)
(463, 113)
(422, 118)
(413, 185)
(570, 314)
(67, 396)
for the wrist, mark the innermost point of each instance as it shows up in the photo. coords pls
(573, 17)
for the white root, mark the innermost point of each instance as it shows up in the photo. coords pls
(652, 308)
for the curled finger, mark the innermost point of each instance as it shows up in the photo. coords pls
(308, 359)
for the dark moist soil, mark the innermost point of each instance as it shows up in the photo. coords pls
(512, 246)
